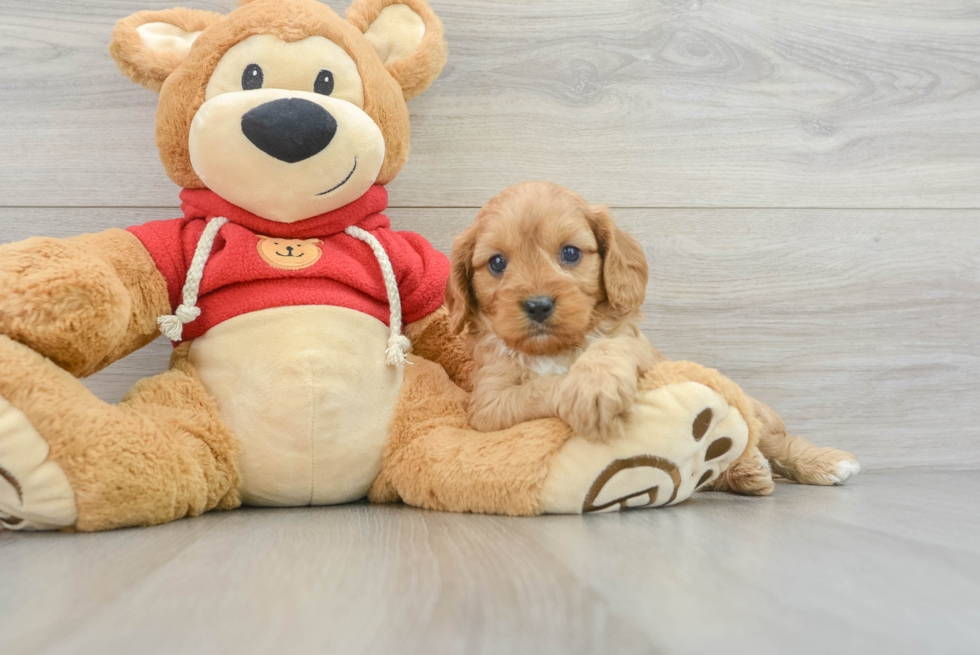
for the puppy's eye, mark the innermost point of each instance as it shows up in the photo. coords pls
(570, 255)
(324, 82)
(497, 264)
(252, 77)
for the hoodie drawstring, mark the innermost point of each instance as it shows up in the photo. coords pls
(398, 344)
(172, 325)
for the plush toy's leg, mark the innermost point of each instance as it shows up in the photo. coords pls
(69, 460)
(796, 458)
(687, 427)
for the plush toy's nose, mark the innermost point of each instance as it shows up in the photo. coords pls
(289, 129)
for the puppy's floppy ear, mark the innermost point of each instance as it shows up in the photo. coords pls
(460, 299)
(624, 268)
(149, 45)
(408, 37)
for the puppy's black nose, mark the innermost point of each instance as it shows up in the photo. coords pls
(539, 308)
(289, 129)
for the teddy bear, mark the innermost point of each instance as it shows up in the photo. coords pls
(313, 359)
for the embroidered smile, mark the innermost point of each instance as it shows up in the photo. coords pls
(342, 183)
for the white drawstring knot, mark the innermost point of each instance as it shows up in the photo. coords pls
(172, 325)
(398, 344)
(398, 347)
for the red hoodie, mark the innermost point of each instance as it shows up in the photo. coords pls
(239, 279)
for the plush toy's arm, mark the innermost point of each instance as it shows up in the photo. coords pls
(84, 301)
(433, 338)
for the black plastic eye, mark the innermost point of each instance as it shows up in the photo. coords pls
(570, 255)
(497, 264)
(324, 82)
(252, 77)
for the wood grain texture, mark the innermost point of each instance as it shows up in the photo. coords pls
(859, 326)
(812, 103)
(886, 564)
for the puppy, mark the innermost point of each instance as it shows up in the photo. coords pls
(549, 291)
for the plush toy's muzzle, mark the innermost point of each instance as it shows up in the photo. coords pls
(289, 129)
(285, 155)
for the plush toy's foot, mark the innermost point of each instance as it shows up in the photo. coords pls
(34, 492)
(686, 428)
(70, 459)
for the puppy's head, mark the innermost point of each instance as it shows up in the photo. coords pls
(541, 268)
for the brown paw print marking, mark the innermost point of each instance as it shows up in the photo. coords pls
(701, 424)
(631, 463)
(715, 450)
(8, 476)
(718, 448)
(11, 521)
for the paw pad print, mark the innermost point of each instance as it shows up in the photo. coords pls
(34, 492)
(652, 480)
(10, 521)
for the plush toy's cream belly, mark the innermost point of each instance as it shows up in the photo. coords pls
(307, 392)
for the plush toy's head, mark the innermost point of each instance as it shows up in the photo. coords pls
(282, 107)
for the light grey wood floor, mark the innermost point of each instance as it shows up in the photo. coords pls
(888, 564)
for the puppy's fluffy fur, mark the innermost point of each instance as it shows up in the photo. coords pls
(582, 362)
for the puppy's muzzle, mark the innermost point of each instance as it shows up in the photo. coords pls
(539, 308)
(289, 129)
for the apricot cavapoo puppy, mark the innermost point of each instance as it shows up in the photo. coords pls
(549, 291)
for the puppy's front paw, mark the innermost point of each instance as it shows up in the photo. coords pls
(595, 395)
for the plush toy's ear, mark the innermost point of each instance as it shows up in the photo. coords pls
(408, 37)
(624, 267)
(460, 299)
(149, 45)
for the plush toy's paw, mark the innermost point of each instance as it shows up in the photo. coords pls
(596, 394)
(34, 492)
(677, 438)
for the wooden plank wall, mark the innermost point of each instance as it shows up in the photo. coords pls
(805, 179)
